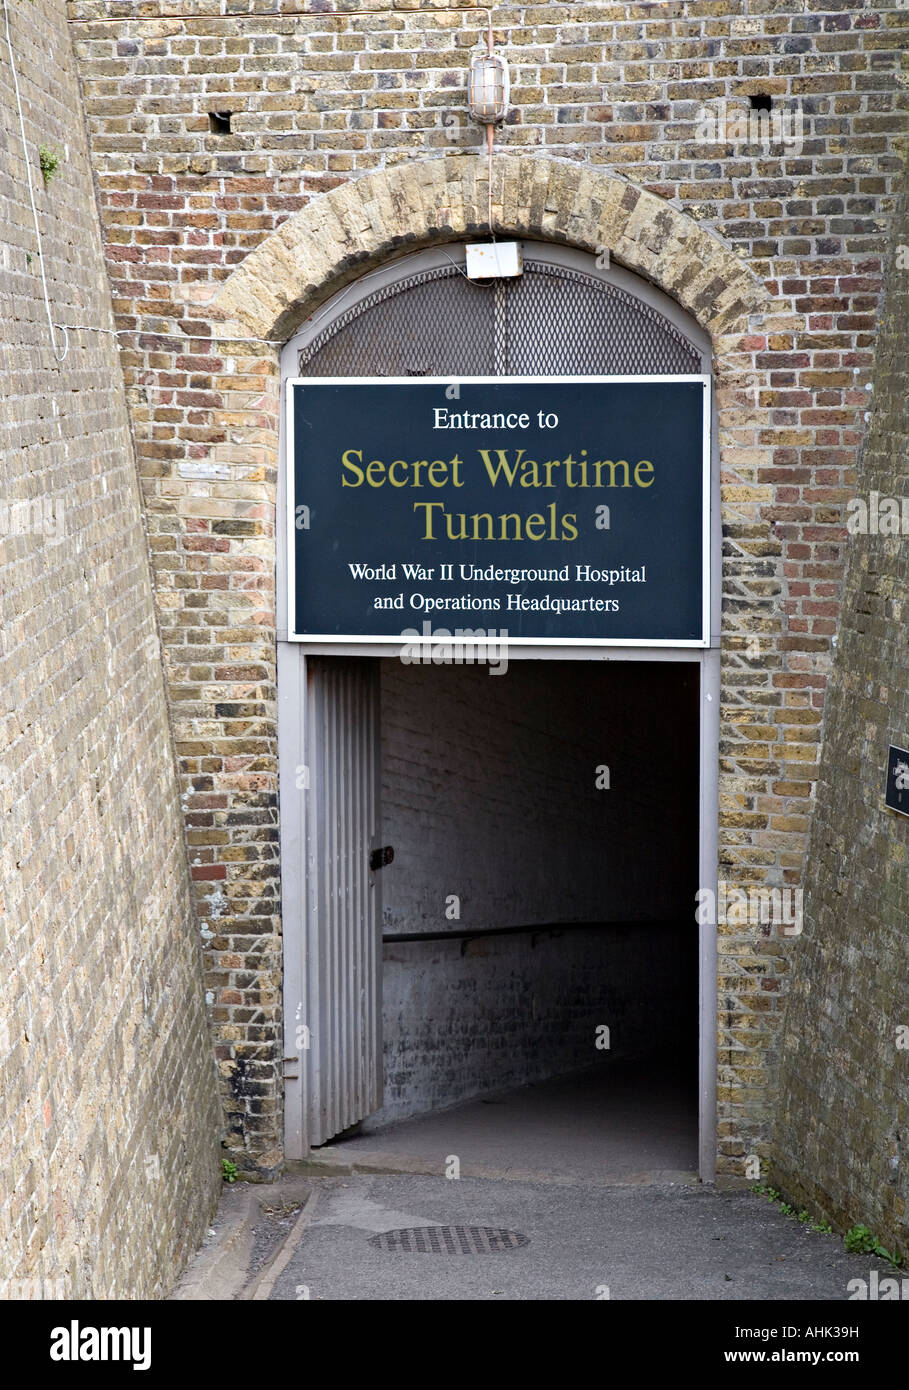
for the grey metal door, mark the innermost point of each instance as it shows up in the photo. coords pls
(342, 1064)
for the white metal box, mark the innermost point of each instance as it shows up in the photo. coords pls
(492, 260)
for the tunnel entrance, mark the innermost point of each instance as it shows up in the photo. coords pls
(528, 963)
(539, 954)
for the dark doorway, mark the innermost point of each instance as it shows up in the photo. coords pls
(540, 949)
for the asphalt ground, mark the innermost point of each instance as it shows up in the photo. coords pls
(583, 1242)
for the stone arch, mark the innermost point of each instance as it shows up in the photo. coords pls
(341, 234)
(363, 223)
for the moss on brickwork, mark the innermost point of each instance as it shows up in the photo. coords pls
(841, 1139)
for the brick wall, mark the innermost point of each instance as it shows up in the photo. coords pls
(109, 1119)
(463, 1019)
(842, 1132)
(489, 792)
(347, 144)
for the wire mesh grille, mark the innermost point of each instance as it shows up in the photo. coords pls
(435, 323)
(550, 321)
(574, 324)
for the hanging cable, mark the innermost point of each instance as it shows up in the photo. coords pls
(490, 129)
(66, 329)
(31, 195)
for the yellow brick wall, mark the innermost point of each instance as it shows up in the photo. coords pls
(108, 1109)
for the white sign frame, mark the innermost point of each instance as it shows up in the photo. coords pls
(399, 639)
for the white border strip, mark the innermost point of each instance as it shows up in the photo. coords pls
(443, 381)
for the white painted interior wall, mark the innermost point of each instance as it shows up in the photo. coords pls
(489, 794)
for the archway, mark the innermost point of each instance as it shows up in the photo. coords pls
(542, 956)
(383, 216)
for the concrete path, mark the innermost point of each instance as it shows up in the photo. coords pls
(627, 1124)
(653, 1242)
(592, 1176)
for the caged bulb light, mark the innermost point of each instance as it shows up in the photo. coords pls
(487, 88)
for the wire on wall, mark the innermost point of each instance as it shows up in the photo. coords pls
(66, 329)
(31, 197)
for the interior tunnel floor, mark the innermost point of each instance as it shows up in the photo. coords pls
(618, 1122)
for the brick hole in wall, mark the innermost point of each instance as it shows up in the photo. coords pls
(490, 799)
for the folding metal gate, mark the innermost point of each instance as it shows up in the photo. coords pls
(343, 1058)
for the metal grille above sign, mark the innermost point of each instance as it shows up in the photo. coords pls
(553, 318)
(538, 510)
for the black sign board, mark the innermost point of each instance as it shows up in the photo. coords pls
(550, 511)
(897, 794)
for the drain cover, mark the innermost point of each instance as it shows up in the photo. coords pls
(448, 1240)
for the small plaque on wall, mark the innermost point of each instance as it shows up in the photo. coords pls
(897, 793)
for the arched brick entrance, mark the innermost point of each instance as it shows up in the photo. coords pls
(764, 799)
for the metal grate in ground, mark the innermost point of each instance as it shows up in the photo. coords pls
(448, 1240)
